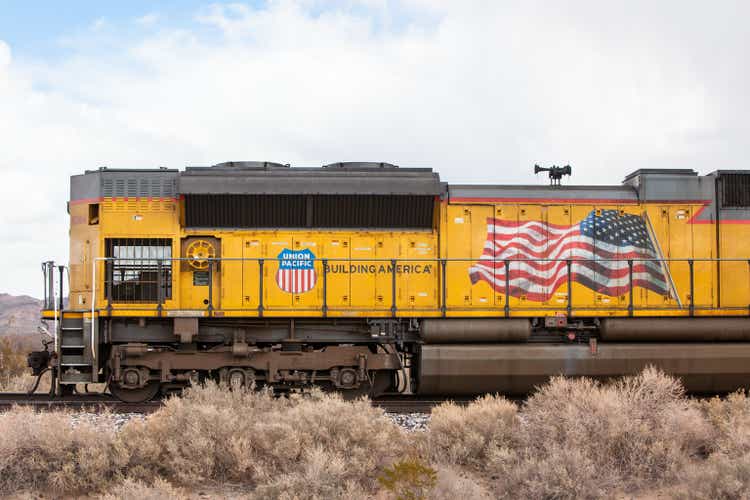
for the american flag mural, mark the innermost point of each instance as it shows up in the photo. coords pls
(608, 235)
(296, 272)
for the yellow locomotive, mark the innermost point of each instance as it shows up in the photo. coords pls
(366, 277)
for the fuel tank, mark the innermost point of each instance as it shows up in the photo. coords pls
(449, 331)
(517, 368)
(675, 329)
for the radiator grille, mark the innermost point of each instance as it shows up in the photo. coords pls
(735, 190)
(300, 211)
(134, 187)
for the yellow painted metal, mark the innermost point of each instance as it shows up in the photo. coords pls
(252, 248)
(676, 234)
(360, 275)
(84, 245)
(363, 290)
(735, 276)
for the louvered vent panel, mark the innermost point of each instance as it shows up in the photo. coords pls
(142, 193)
(735, 190)
(108, 188)
(318, 211)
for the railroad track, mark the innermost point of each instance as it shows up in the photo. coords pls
(98, 402)
(88, 402)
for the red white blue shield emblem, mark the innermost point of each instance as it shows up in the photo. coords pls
(296, 272)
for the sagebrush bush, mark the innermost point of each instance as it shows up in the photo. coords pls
(453, 483)
(268, 442)
(636, 430)
(25, 382)
(318, 446)
(730, 419)
(409, 479)
(720, 476)
(726, 471)
(41, 451)
(138, 490)
(573, 438)
(468, 435)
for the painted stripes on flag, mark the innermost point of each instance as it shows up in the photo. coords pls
(599, 247)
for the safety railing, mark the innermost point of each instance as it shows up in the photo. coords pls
(145, 284)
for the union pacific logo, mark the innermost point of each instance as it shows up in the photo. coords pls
(296, 272)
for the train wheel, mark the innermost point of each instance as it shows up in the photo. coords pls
(382, 382)
(140, 395)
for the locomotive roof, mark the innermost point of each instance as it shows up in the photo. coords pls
(371, 178)
(530, 193)
(338, 178)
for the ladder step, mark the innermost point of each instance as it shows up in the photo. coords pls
(73, 346)
(72, 378)
(72, 328)
(74, 360)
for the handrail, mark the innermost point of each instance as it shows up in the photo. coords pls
(93, 307)
(160, 264)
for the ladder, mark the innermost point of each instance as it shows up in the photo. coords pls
(76, 364)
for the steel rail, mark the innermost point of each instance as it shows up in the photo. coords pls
(104, 402)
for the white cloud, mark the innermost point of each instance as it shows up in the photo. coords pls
(99, 24)
(5, 55)
(148, 20)
(478, 91)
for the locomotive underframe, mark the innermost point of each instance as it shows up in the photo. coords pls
(431, 356)
(351, 355)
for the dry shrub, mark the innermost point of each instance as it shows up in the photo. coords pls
(452, 484)
(24, 382)
(726, 472)
(138, 490)
(300, 447)
(408, 479)
(42, 452)
(638, 431)
(469, 435)
(730, 419)
(282, 446)
(319, 476)
(575, 438)
(721, 476)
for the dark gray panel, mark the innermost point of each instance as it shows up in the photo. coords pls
(668, 187)
(245, 165)
(660, 171)
(352, 165)
(155, 183)
(519, 368)
(85, 187)
(318, 211)
(139, 184)
(735, 190)
(523, 193)
(311, 181)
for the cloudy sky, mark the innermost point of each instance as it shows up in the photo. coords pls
(479, 91)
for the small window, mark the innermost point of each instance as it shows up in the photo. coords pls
(133, 267)
(93, 214)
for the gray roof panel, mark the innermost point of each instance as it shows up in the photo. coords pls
(561, 194)
(326, 181)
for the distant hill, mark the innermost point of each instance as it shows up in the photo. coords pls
(19, 314)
